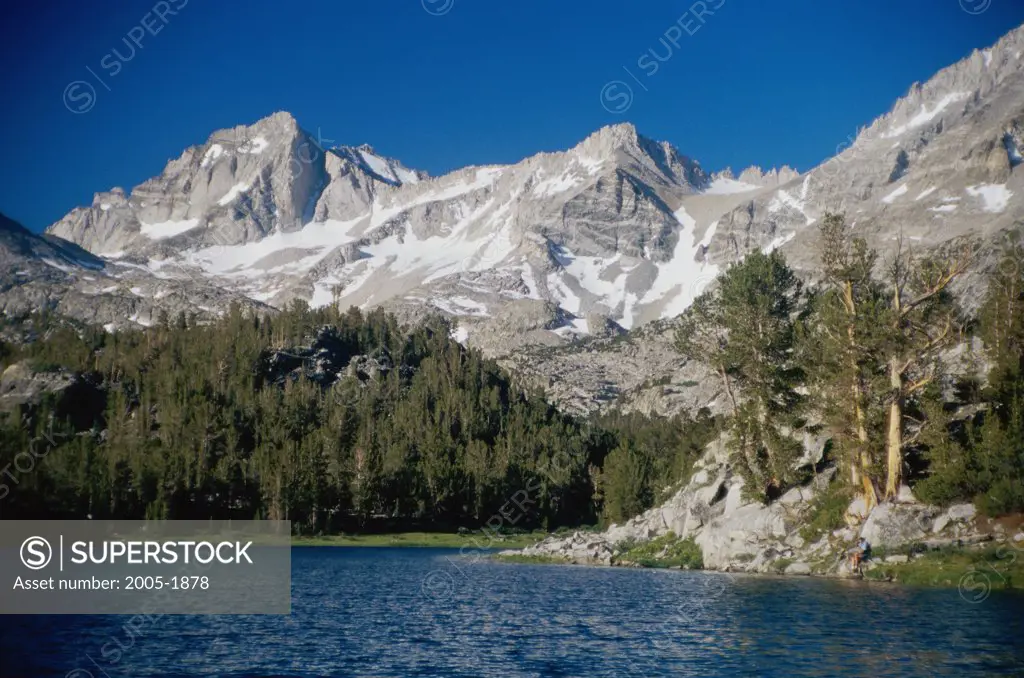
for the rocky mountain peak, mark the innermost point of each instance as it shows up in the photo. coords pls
(952, 92)
(611, 143)
(114, 198)
(376, 166)
(613, 137)
(622, 146)
(279, 121)
(279, 129)
(776, 176)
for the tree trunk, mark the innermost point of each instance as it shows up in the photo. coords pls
(860, 464)
(762, 420)
(894, 442)
(728, 388)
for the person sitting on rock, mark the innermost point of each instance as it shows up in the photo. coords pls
(861, 553)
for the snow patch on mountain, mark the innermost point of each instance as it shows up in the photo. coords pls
(526, 275)
(889, 199)
(600, 277)
(784, 199)
(254, 146)
(139, 320)
(708, 235)
(554, 185)
(378, 166)
(305, 247)
(461, 306)
(405, 176)
(211, 155)
(778, 242)
(166, 229)
(57, 265)
(494, 249)
(563, 295)
(926, 115)
(727, 186)
(995, 197)
(681, 279)
(483, 178)
(431, 257)
(592, 166)
(233, 193)
(573, 328)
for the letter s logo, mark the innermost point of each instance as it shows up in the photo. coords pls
(616, 97)
(79, 97)
(36, 553)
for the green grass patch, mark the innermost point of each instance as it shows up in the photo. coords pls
(822, 566)
(973, 571)
(779, 565)
(425, 540)
(665, 551)
(827, 512)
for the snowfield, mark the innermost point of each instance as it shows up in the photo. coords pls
(994, 197)
(167, 229)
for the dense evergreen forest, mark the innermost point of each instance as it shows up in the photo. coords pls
(336, 421)
(347, 421)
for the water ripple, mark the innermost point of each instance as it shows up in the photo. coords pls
(404, 613)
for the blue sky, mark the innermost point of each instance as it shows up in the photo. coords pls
(446, 83)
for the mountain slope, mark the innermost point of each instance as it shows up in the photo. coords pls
(944, 163)
(614, 233)
(274, 217)
(48, 273)
(941, 164)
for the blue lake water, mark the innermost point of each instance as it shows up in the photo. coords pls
(426, 612)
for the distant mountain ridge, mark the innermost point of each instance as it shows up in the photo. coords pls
(611, 234)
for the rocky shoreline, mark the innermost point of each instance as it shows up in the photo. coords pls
(736, 535)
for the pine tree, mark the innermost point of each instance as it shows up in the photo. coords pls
(626, 476)
(842, 349)
(981, 457)
(875, 343)
(745, 330)
(923, 320)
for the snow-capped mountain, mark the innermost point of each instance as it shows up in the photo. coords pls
(263, 211)
(941, 164)
(612, 233)
(945, 162)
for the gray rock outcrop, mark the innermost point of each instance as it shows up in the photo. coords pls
(738, 535)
